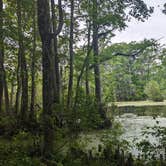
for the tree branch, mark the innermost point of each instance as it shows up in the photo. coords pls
(104, 34)
(60, 25)
(132, 54)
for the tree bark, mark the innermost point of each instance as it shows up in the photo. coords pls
(71, 52)
(3, 82)
(1, 54)
(17, 102)
(33, 61)
(87, 82)
(44, 25)
(23, 66)
(55, 45)
(11, 94)
(45, 30)
(87, 65)
(96, 61)
(6, 94)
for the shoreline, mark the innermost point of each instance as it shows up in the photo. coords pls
(138, 103)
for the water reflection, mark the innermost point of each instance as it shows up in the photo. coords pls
(143, 111)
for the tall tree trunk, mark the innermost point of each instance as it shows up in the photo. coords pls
(87, 82)
(18, 91)
(1, 54)
(3, 82)
(96, 60)
(71, 52)
(33, 61)
(84, 66)
(44, 25)
(1, 90)
(55, 45)
(45, 29)
(62, 81)
(87, 65)
(24, 73)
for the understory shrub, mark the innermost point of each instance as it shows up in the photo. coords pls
(8, 125)
(20, 150)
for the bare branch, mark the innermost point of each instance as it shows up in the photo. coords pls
(132, 54)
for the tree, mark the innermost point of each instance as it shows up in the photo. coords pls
(128, 66)
(106, 18)
(55, 46)
(23, 63)
(85, 66)
(45, 30)
(71, 52)
(96, 59)
(1, 54)
(44, 25)
(3, 82)
(152, 90)
(33, 62)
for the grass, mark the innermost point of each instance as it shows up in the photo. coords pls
(139, 103)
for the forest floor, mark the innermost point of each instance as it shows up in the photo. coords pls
(139, 103)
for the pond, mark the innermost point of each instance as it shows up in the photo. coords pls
(135, 120)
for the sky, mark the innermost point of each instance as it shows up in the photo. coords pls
(154, 27)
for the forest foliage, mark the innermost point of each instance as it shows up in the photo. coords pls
(59, 70)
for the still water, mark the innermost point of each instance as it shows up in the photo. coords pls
(135, 120)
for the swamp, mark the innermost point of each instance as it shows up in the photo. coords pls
(82, 83)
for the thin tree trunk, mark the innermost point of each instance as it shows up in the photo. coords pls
(96, 60)
(24, 74)
(87, 65)
(62, 81)
(17, 102)
(33, 61)
(57, 73)
(71, 52)
(1, 91)
(87, 82)
(1, 54)
(3, 82)
(11, 94)
(6, 94)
